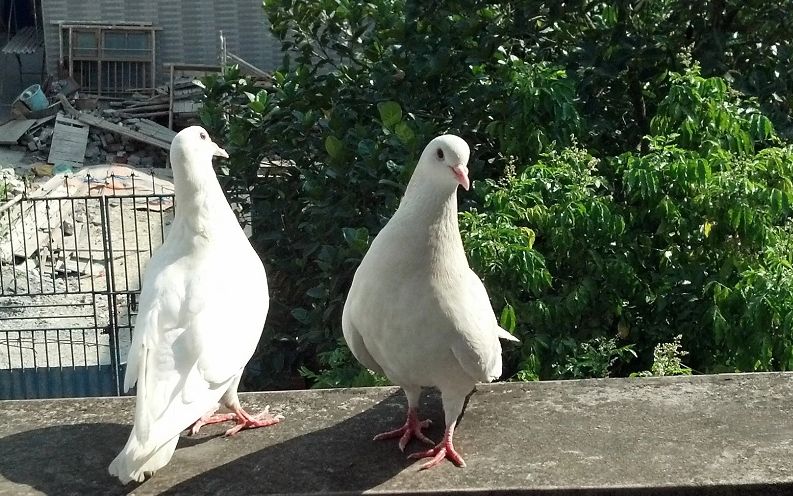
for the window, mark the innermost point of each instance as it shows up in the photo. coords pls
(109, 59)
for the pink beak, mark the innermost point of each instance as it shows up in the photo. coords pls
(461, 173)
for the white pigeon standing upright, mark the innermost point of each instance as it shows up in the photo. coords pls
(416, 312)
(202, 308)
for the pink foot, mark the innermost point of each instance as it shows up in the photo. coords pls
(412, 428)
(210, 418)
(245, 421)
(440, 452)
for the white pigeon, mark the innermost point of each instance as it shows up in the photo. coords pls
(202, 308)
(416, 312)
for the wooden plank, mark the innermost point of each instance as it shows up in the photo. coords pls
(109, 126)
(186, 106)
(247, 65)
(68, 142)
(11, 131)
(66, 120)
(145, 114)
(155, 130)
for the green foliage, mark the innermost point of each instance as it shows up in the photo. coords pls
(667, 360)
(643, 247)
(592, 358)
(699, 113)
(340, 370)
(623, 194)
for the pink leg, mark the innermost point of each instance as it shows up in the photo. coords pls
(443, 450)
(210, 418)
(246, 421)
(405, 433)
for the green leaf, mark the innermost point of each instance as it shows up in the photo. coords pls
(301, 315)
(530, 236)
(508, 320)
(334, 146)
(257, 106)
(316, 292)
(404, 133)
(357, 239)
(390, 113)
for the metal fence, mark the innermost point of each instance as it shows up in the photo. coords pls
(72, 254)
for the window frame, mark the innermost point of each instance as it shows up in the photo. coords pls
(103, 55)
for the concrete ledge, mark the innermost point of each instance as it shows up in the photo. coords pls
(712, 435)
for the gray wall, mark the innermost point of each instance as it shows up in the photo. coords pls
(10, 84)
(189, 28)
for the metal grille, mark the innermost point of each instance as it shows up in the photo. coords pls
(71, 259)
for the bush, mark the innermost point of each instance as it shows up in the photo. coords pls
(621, 197)
(644, 247)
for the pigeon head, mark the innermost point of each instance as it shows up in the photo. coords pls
(445, 161)
(193, 145)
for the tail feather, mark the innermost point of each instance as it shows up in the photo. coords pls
(136, 462)
(504, 334)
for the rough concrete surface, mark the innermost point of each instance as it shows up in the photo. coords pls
(727, 434)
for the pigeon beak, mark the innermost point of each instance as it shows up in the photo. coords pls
(220, 152)
(461, 173)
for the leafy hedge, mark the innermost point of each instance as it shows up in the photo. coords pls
(621, 198)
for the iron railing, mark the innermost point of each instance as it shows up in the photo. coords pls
(72, 255)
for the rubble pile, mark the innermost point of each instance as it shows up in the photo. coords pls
(102, 147)
(93, 131)
(106, 147)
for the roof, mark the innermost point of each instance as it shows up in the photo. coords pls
(26, 40)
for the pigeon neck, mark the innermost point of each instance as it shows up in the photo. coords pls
(423, 205)
(199, 199)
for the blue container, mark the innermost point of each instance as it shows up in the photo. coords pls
(34, 98)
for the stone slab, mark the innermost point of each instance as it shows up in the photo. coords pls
(711, 435)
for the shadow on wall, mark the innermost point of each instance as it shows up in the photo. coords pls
(339, 458)
(73, 459)
(68, 459)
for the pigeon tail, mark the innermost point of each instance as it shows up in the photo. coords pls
(135, 462)
(504, 334)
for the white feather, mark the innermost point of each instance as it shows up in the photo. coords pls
(415, 310)
(203, 304)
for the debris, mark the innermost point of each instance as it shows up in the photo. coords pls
(41, 169)
(110, 126)
(68, 142)
(66, 86)
(56, 218)
(61, 169)
(34, 98)
(119, 130)
(11, 131)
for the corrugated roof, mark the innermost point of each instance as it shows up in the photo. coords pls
(26, 40)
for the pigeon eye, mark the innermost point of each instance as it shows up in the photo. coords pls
(439, 153)
(203, 136)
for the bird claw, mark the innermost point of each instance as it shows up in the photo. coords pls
(210, 419)
(438, 454)
(245, 421)
(411, 429)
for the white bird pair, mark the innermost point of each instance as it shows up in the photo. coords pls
(415, 312)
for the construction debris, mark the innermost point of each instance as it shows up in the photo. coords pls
(186, 94)
(89, 132)
(12, 131)
(68, 142)
(115, 182)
